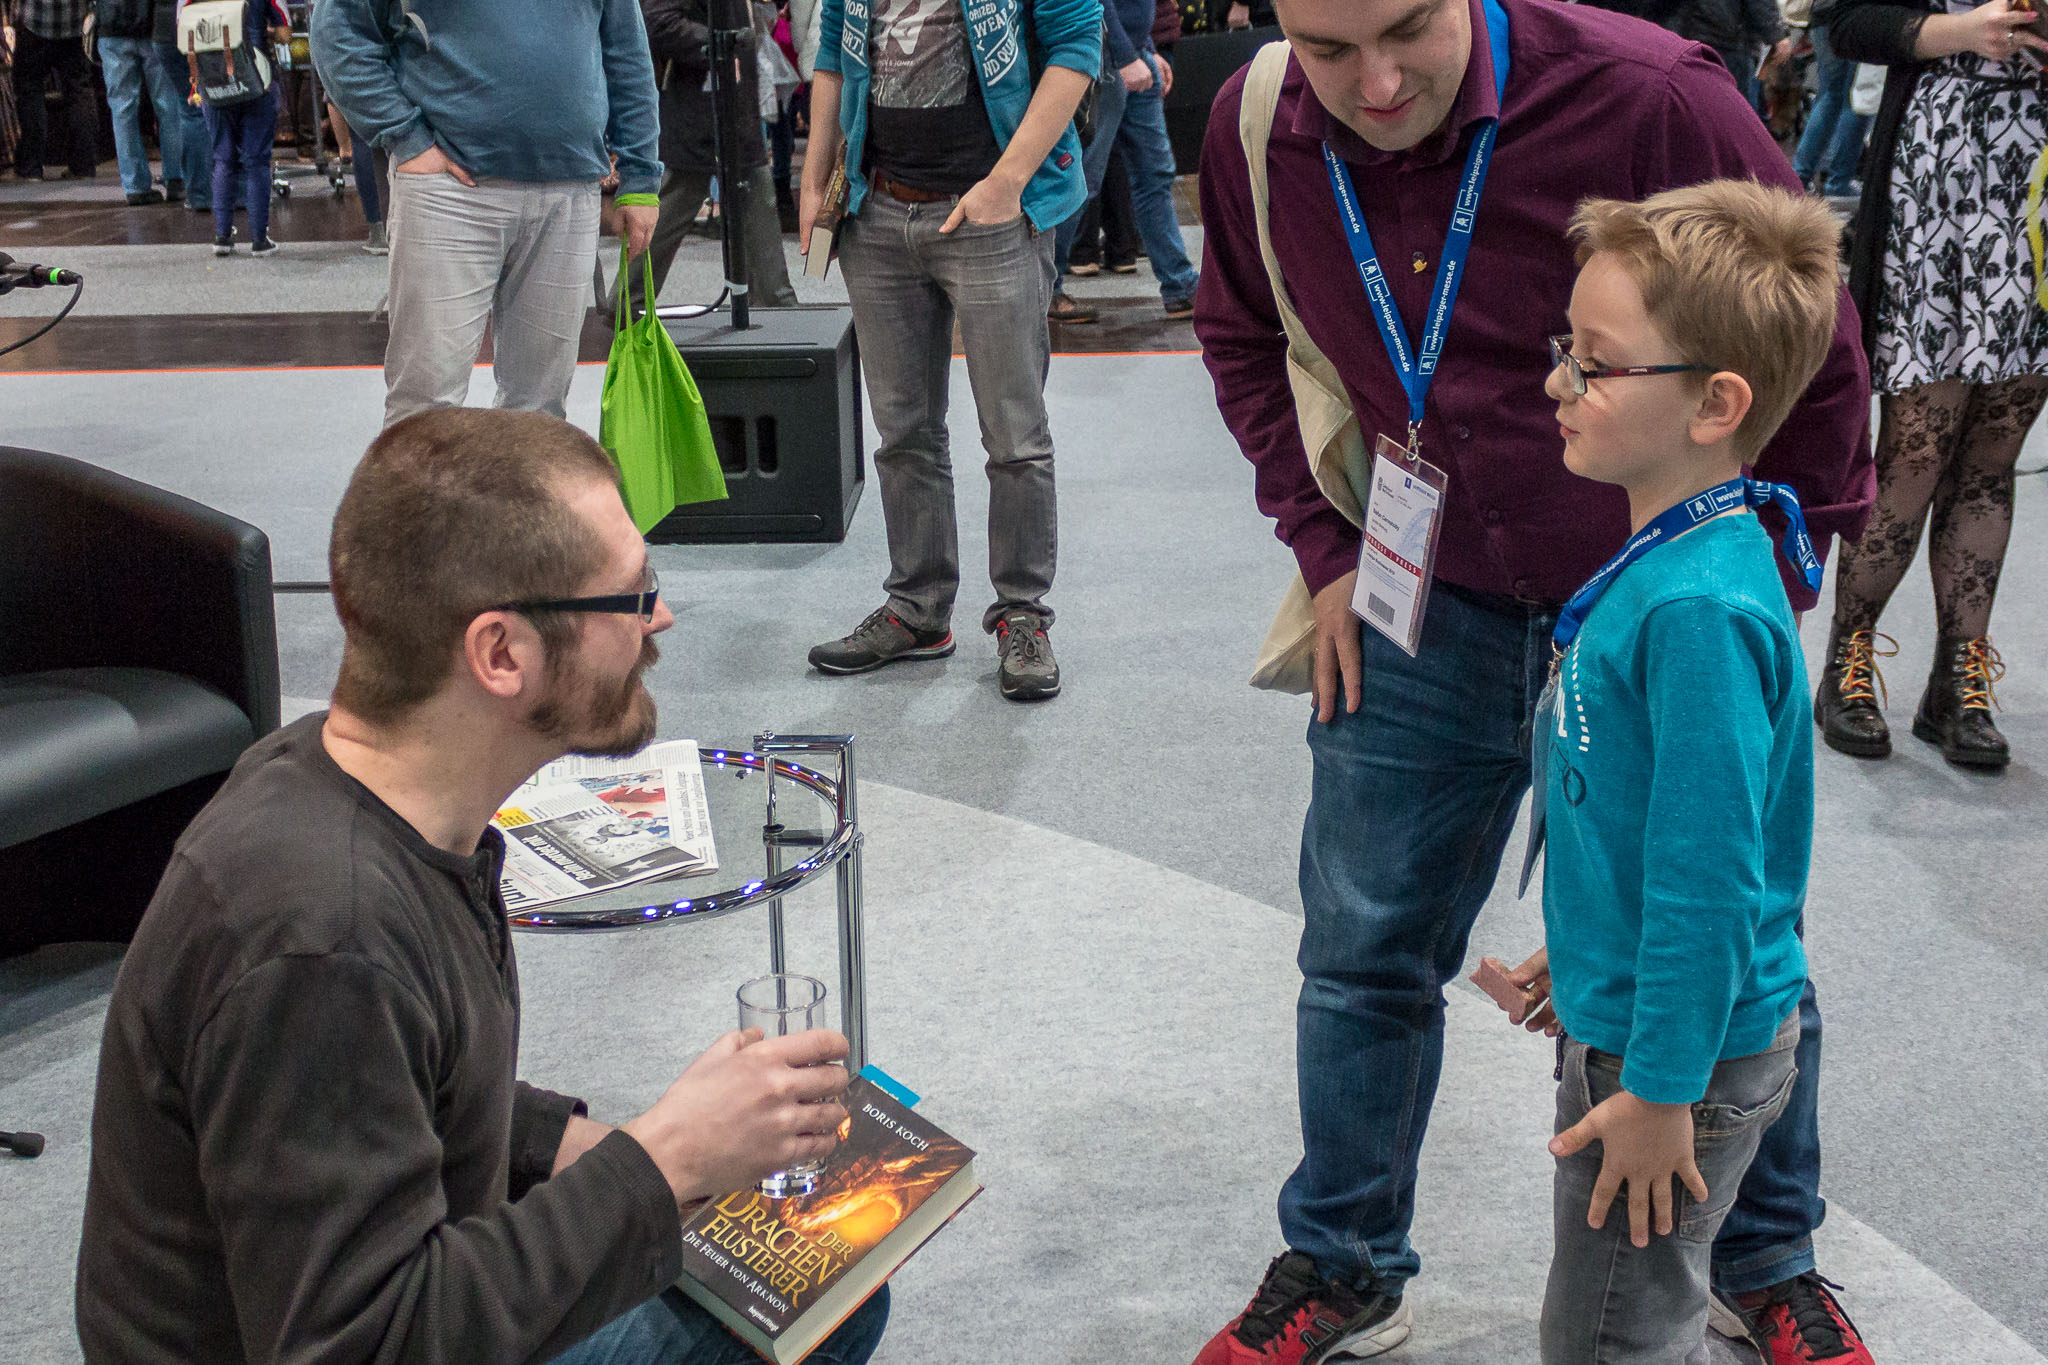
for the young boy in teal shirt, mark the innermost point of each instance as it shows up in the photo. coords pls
(1675, 754)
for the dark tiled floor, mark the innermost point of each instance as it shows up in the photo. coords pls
(304, 340)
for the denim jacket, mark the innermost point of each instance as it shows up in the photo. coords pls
(1069, 33)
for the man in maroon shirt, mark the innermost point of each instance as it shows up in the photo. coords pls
(1420, 762)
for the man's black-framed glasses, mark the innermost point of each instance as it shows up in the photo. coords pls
(1577, 374)
(640, 604)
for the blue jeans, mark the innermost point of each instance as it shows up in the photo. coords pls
(1412, 803)
(1137, 124)
(195, 142)
(242, 135)
(1768, 1235)
(1832, 144)
(130, 64)
(669, 1329)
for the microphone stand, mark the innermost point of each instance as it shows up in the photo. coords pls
(731, 22)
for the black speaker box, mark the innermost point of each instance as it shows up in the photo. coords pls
(784, 402)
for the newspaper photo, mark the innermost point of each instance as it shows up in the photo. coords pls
(582, 825)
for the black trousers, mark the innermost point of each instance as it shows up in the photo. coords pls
(35, 58)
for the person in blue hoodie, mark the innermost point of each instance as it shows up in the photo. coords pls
(499, 120)
(955, 117)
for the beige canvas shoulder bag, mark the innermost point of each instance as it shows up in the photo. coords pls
(1330, 433)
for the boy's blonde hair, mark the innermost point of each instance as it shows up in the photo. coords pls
(1740, 276)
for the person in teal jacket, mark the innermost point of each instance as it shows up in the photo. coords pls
(959, 165)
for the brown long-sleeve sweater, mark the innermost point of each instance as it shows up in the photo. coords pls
(308, 1143)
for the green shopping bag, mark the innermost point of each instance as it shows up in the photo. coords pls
(653, 419)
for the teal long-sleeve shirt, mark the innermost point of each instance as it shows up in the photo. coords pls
(527, 90)
(1679, 801)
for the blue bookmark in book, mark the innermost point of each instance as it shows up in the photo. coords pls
(1795, 545)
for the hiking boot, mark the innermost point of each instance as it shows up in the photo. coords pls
(1065, 309)
(1181, 308)
(378, 243)
(1025, 668)
(1299, 1318)
(224, 245)
(881, 639)
(1846, 705)
(1129, 267)
(1084, 268)
(262, 246)
(1794, 1322)
(1955, 712)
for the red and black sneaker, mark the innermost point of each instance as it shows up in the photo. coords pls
(1299, 1318)
(1794, 1322)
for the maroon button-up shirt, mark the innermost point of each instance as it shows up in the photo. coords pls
(1597, 105)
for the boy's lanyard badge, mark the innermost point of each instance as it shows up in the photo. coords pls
(1795, 545)
(1406, 493)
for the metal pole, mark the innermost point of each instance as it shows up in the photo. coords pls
(778, 942)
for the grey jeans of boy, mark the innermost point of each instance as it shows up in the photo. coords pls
(1608, 1302)
(908, 284)
(518, 256)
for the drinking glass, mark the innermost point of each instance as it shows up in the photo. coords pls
(778, 1004)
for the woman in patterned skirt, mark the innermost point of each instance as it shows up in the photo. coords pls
(1949, 291)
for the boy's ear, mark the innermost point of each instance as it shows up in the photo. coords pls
(1724, 402)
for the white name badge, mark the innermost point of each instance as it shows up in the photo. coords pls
(1402, 521)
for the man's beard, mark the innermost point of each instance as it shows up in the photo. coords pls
(598, 719)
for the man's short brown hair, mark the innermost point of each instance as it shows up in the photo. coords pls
(451, 513)
(1741, 276)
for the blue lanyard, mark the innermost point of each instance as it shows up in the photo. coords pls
(1417, 366)
(1796, 545)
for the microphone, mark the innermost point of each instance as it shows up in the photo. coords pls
(22, 1144)
(15, 275)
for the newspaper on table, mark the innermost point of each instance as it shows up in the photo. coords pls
(582, 825)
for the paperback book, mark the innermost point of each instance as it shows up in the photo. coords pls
(783, 1273)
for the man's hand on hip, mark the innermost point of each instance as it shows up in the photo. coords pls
(1340, 658)
(745, 1108)
(434, 161)
(637, 222)
(992, 200)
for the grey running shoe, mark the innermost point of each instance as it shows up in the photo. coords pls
(1025, 668)
(881, 639)
(378, 243)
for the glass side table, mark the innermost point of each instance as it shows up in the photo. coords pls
(778, 825)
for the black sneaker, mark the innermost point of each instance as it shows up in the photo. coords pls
(1299, 1318)
(224, 245)
(174, 191)
(262, 246)
(149, 196)
(1025, 668)
(881, 639)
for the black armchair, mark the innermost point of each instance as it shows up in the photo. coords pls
(138, 659)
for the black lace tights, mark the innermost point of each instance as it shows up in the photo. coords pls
(1950, 447)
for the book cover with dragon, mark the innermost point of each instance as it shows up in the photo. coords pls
(775, 1264)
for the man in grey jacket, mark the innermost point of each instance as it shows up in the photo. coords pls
(499, 120)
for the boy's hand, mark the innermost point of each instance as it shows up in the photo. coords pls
(1533, 977)
(1643, 1145)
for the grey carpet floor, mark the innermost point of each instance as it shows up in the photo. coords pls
(1083, 911)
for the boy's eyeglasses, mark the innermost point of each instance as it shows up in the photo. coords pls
(1577, 374)
(640, 604)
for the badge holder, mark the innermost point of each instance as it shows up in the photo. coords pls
(1403, 520)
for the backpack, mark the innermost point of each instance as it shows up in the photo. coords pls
(227, 69)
